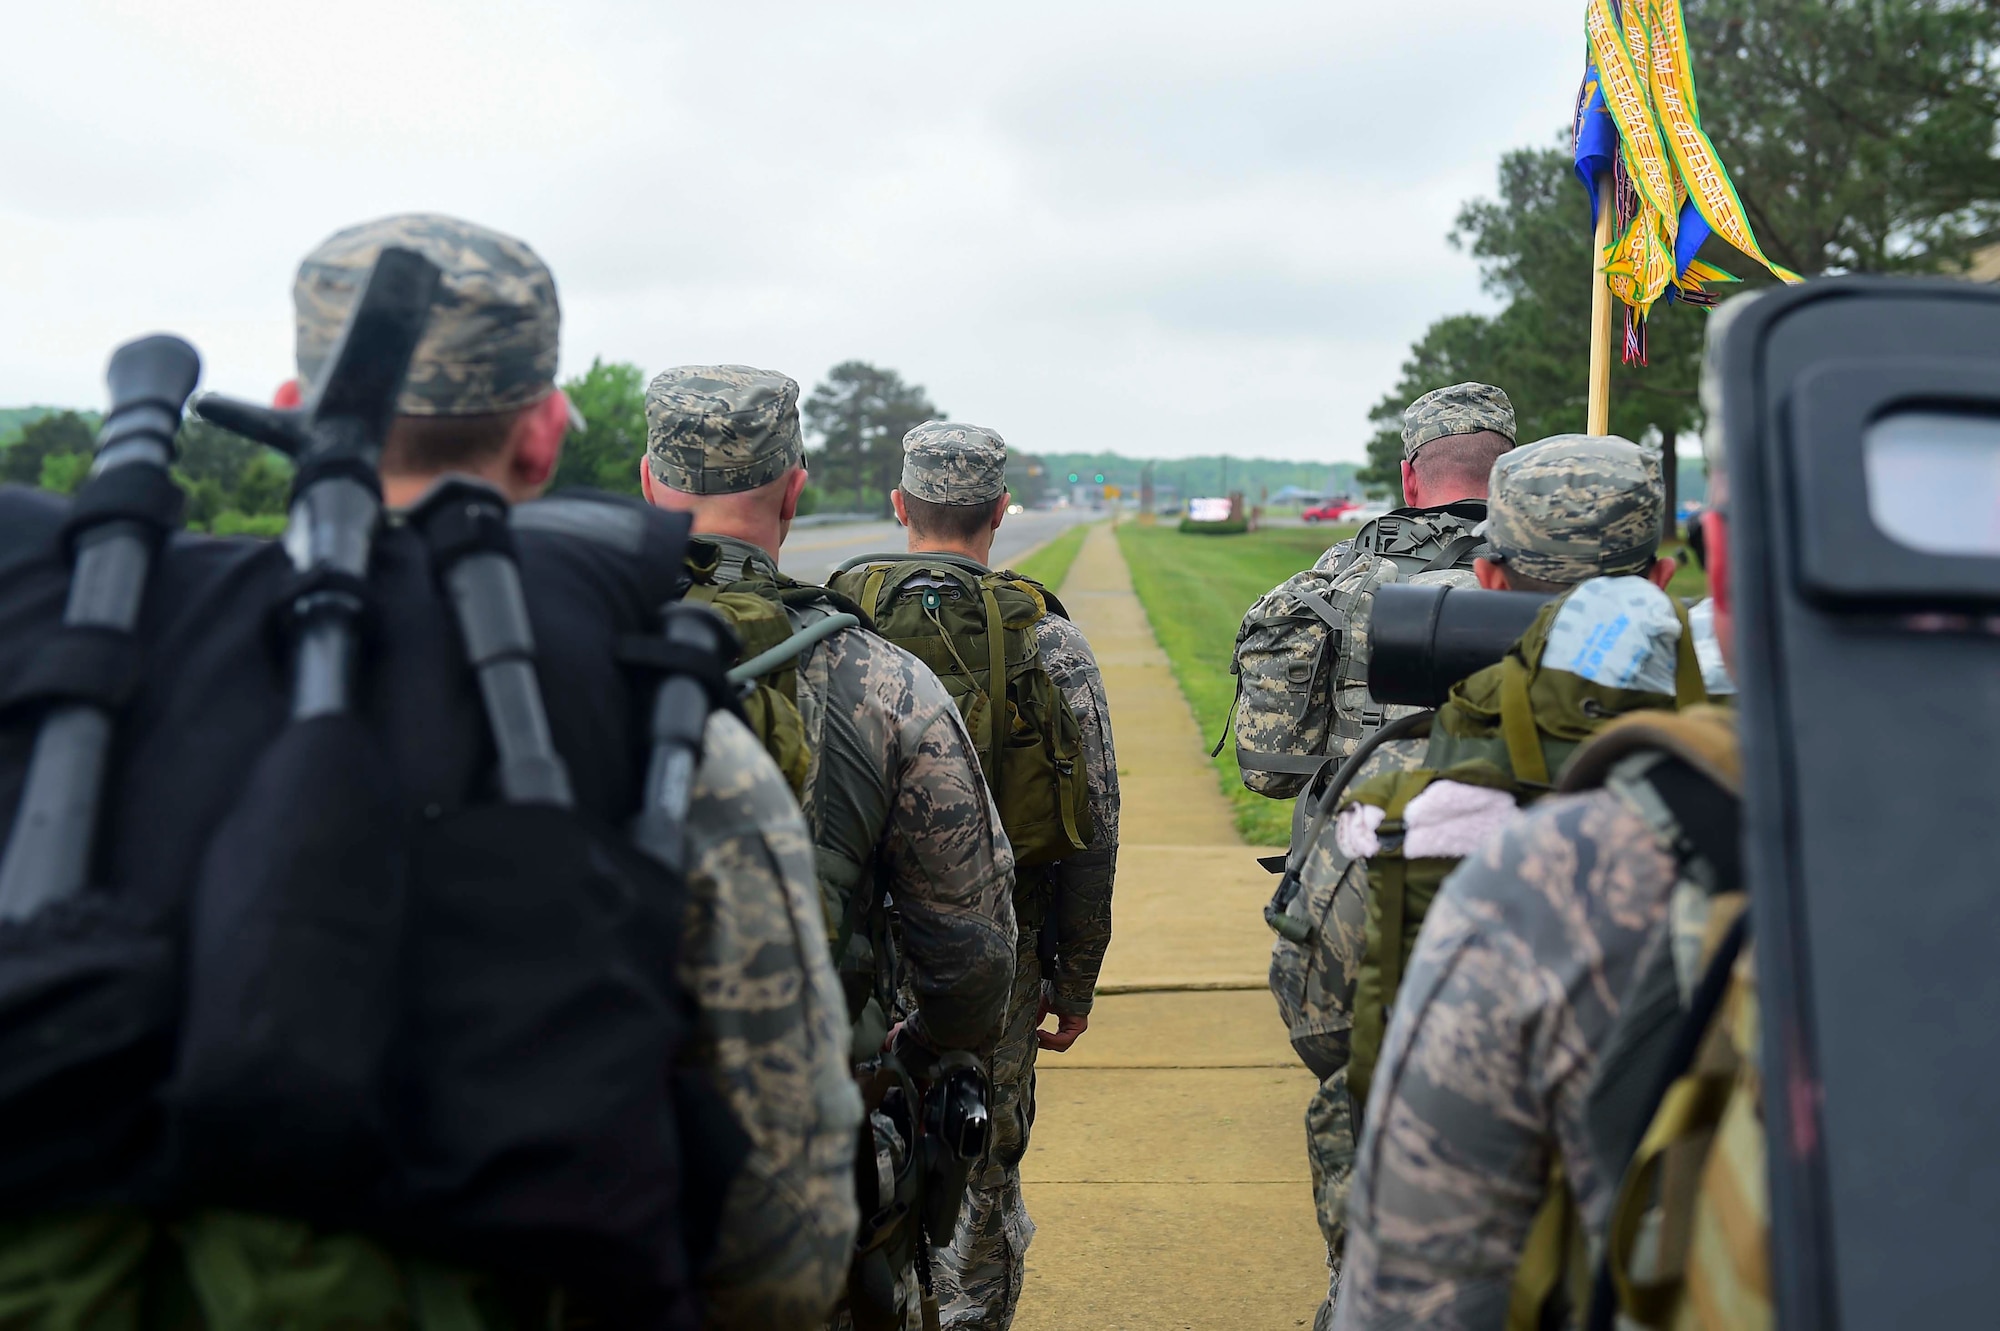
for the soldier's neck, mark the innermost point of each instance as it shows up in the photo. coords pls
(978, 551)
(767, 535)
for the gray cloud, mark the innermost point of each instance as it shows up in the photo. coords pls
(1167, 228)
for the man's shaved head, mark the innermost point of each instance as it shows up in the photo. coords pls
(1460, 464)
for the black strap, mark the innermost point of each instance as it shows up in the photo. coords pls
(304, 590)
(1454, 550)
(1707, 999)
(80, 663)
(1229, 717)
(148, 496)
(1710, 818)
(652, 654)
(456, 530)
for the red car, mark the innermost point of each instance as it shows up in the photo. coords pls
(1331, 511)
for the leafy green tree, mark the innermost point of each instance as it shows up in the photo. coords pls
(231, 481)
(1860, 134)
(861, 414)
(606, 454)
(64, 472)
(63, 433)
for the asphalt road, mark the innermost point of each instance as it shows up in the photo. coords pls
(814, 552)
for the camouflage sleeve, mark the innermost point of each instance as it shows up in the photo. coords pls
(771, 1039)
(1081, 908)
(940, 853)
(1516, 980)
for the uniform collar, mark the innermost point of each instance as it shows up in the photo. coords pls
(740, 559)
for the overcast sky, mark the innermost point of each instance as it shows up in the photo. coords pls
(1156, 227)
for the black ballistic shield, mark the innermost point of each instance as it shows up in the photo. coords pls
(1861, 419)
(1423, 640)
(123, 513)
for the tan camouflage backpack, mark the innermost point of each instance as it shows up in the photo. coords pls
(1301, 659)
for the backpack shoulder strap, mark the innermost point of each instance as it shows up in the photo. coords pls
(1703, 737)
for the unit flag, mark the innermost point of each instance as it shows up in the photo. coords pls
(1638, 121)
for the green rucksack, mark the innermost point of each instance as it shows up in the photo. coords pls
(971, 626)
(758, 609)
(1510, 727)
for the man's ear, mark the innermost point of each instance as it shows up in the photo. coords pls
(538, 441)
(795, 485)
(289, 397)
(896, 502)
(646, 480)
(1662, 572)
(1000, 508)
(1413, 490)
(1491, 575)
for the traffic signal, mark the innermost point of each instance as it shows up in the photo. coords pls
(1100, 478)
(1072, 478)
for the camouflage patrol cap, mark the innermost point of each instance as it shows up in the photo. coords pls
(491, 341)
(721, 429)
(946, 463)
(1466, 408)
(1575, 506)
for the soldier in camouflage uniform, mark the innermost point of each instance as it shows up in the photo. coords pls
(1521, 966)
(952, 499)
(894, 798)
(1450, 439)
(770, 1032)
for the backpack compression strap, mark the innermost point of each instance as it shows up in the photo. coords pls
(1517, 714)
(996, 649)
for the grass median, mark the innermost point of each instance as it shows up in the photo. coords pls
(1195, 589)
(1049, 563)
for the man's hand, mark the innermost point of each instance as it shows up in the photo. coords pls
(1068, 1027)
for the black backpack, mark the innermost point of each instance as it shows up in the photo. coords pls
(371, 968)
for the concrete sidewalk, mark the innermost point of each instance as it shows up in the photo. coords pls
(1167, 1170)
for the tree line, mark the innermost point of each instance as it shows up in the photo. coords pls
(1861, 137)
(858, 415)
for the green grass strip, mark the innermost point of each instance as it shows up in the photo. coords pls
(1195, 589)
(1050, 564)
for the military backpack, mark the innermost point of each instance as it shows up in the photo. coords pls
(1675, 1109)
(1301, 655)
(975, 629)
(765, 613)
(1496, 745)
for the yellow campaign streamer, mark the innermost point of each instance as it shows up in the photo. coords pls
(1701, 169)
(1647, 79)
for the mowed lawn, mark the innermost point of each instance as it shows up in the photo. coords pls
(1050, 564)
(1195, 590)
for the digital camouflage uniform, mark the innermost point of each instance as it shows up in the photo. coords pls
(1314, 981)
(1514, 985)
(771, 1032)
(979, 1276)
(1520, 967)
(894, 797)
